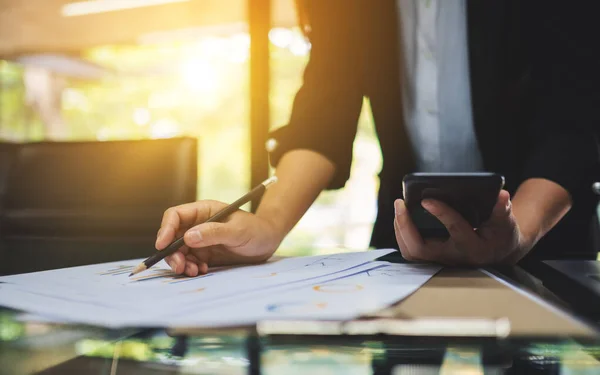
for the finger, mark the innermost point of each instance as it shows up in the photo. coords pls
(198, 267)
(171, 262)
(501, 228)
(431, 251)
(172, 259)
(203, 255)
(210, 234)
(191, 268)
(406, 228)
(459, 229)
(164, 237)
(502, 209)
(182, 217)
(173, 219)
(177, 263)
(192, 258)
(203, 268)
(401, 245)
(201, 259)
(206, 258)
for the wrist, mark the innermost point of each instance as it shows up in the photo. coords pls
(527, 239)
(527, 234)
(529, 231)
(538, 205)
(274, 226)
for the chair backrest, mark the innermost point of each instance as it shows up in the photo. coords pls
(87, 188)
(8, 153)
(102, 190)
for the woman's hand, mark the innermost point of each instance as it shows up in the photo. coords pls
(242, 239)
(496, 241)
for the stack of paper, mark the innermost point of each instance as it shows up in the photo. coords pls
(337, 287)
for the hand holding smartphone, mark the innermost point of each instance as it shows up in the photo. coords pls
(473, 195)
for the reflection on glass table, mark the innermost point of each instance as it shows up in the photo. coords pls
(38, 348)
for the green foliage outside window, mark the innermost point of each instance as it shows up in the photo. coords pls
(199, 89)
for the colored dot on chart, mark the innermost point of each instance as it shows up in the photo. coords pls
(338, 288)
(296, 307)
(266, 275)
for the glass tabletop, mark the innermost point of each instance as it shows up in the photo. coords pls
(50, 348)
(45, 348)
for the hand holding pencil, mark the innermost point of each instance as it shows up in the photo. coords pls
(212, 233)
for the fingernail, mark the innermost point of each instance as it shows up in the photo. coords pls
(429, 206)
(399, 208)
(195, 236)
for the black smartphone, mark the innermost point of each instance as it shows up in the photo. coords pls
(473, 195)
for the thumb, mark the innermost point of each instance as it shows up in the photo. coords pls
(502, 209)
(210, 234)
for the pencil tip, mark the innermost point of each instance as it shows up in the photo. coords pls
(140, 267)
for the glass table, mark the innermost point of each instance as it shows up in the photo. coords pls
(49, 348)
(46, 348)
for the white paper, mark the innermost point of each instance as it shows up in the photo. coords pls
(365, 290)
(103, 294)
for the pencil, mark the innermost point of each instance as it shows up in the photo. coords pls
(178, 243)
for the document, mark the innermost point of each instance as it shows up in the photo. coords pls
(335, 286)
(367, 289)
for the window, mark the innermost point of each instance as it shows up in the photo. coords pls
(339, 220)
(197, 88)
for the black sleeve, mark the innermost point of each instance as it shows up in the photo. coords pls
(565, 69)
(326, 108)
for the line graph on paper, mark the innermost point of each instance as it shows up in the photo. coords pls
(321, 264)
(166, 276)
(118, 270)
(338, 287)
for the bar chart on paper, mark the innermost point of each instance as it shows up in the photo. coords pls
(329, 286)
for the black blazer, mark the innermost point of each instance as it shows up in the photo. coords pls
(534, 68)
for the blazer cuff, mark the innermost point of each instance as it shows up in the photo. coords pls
(286, 138)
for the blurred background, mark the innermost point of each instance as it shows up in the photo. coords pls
(222, 71)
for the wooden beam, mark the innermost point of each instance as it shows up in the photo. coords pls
(37, 26)
(259, 18)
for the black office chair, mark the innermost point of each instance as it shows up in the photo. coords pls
(596, 189)
(7, 155)
(74, 203)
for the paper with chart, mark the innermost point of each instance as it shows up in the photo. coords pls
(365, 290)
(103, 294)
